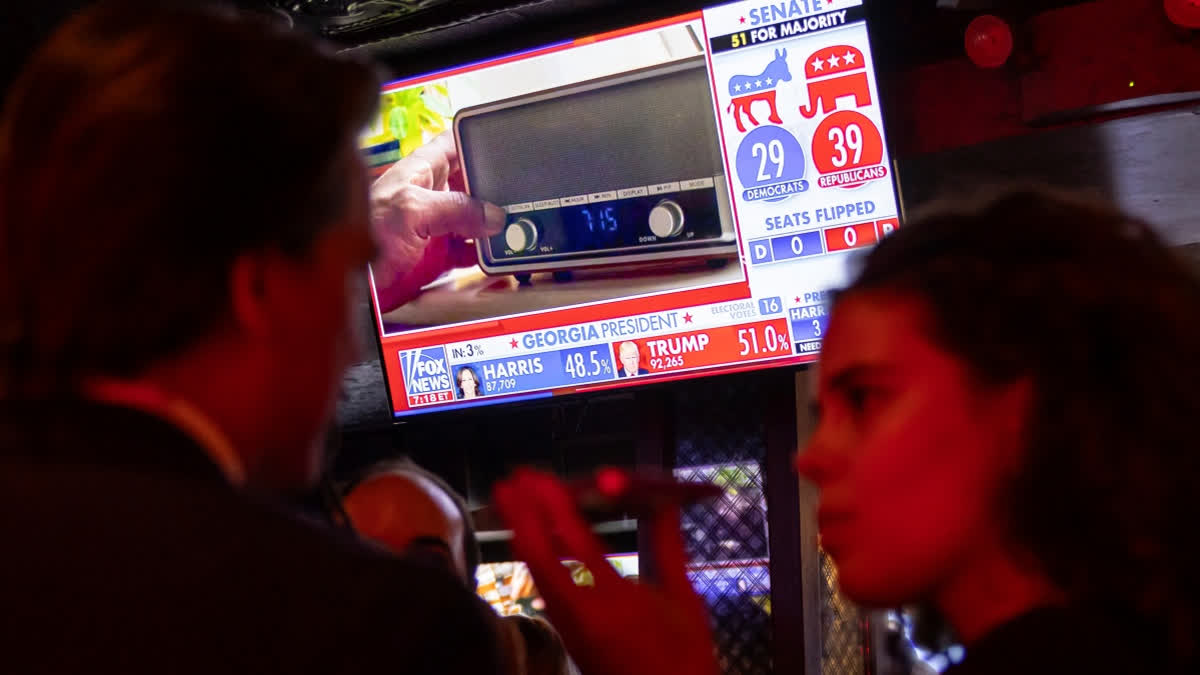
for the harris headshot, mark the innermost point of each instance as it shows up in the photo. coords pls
(467, 383)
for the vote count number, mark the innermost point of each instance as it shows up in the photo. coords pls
(845, 140)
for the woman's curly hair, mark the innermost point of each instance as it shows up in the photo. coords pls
(1101, 315)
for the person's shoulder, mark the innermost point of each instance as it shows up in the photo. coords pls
(203, 568)
(322, 585)
(395, 610)
(376, 610)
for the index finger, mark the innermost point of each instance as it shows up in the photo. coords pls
(433, 213)
(569, 527)
(521, 514)
(441, 156)
(670, 556)
(559, 523)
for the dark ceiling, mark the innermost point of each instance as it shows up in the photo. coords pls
(906, 33)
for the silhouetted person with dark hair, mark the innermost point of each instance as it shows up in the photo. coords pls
(184, 229)
(1006, 418)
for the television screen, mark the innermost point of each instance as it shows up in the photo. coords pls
(678, 197)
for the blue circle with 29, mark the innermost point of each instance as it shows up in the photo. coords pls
(770, 165)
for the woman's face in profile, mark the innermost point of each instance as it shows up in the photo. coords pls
(467, 381)
(909, 454)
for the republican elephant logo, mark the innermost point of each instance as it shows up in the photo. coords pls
(833, 73)
(746, 89)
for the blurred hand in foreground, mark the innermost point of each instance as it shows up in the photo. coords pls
(617, 626)
(424, 222)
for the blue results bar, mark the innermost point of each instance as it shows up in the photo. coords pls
(537, 372)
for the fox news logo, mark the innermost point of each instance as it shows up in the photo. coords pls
(426, 377)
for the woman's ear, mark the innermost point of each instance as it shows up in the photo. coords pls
(248, 294)
(1010, 409)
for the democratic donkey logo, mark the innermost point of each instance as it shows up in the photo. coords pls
(746, 89)
(833, 73)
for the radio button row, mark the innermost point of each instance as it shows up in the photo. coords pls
(666, 219)
(521, 235)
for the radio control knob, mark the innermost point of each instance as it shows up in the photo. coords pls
(521, 235)
(666, 219)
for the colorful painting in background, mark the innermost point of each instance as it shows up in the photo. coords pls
(408, 118)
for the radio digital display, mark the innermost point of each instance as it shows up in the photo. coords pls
(590, 228)
(604, 221)
(615, 227)
(680, 198)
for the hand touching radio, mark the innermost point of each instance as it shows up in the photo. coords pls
(424, 222)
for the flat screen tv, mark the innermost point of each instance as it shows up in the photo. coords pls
(679, 197)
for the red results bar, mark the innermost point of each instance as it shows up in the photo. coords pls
(715, 346)
(850, 236)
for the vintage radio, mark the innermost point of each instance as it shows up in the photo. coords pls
(621, 170)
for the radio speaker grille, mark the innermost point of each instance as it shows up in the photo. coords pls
(610, 135)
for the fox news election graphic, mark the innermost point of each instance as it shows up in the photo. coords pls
(848, 150)
(746, 89)
(630, 359)
(887, 226)
(833, 73)
(850, 236)
(769, 306)
(533, 372)
(808, 327)
(698, 349)
(757, 23)
(426, 376)
(798, 245)
(770, 165)
(586, 364)
(798, 222)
